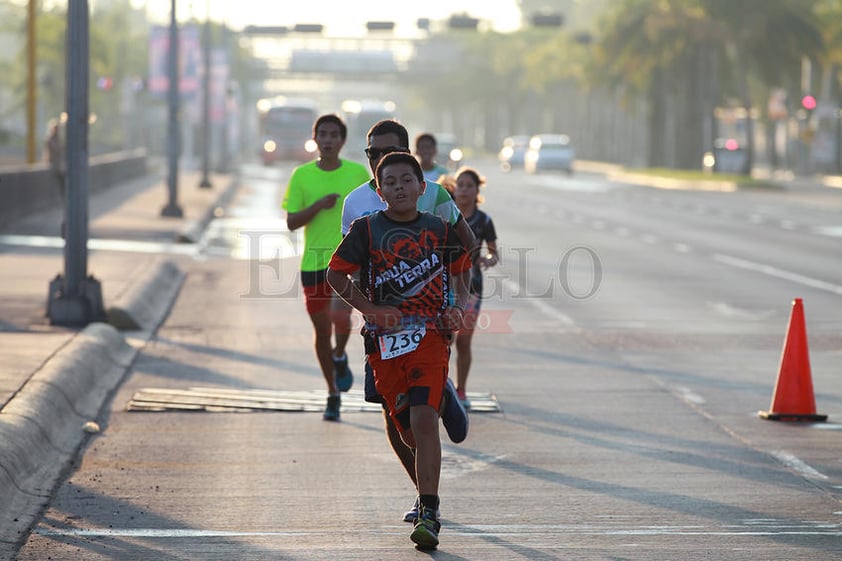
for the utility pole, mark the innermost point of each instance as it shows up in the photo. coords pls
(31, 83)
(206, 91)
(76, 298)
(172, 209)
(225, 149)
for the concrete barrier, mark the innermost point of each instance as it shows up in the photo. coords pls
(144, 305)
(42, 427)
(25, 189)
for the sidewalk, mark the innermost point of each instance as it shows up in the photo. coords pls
(54, 380)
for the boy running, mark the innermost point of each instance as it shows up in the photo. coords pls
(383, 138)
(407, 261)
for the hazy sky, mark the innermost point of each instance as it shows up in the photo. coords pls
(340, 17)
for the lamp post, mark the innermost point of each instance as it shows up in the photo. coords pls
(206, 48)
(172, 209)
(76, 298)
(31, 60)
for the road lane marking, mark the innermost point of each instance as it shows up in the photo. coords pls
(778, 273)
(743, 528)
(540, 305)
(727, 310)
(798, 465)
(689, 395)
(832, 231)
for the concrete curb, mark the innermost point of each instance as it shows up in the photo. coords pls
(42, 427)
(192, 232)
(147, 302)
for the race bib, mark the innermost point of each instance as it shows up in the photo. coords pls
(401, 342)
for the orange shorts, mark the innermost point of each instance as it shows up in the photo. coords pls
(318, 294)
(415, 378)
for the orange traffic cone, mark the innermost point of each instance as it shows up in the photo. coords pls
(793, 398)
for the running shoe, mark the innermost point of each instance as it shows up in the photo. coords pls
(411, 515)
(344, 378)
(453, 416)
(426, 531)
(334, 402)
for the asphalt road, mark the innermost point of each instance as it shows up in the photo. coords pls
(633, 335)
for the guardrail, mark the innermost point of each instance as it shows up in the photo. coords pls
(25, 189)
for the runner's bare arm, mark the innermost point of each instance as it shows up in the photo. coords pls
(386, 317)
(298, 219)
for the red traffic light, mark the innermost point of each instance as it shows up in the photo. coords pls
(808, 102)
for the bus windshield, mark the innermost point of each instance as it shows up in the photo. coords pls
(286, 126)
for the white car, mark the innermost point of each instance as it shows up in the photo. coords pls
(513, 151)
(549, 152)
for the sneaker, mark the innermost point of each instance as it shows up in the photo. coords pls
(426, 531)
(332, 408)
(411, 515)
(463, 399)
(344, 378)
(453, 416)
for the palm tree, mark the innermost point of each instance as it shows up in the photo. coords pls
(765, 38)
(649, 45)
(648, 49)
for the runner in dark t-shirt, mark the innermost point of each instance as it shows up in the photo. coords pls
(408, 262)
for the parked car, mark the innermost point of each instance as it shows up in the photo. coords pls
(512, 153)
(549, 151)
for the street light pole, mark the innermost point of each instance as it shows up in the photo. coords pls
(76, 299)
(206, 48)
(31, 81)
(172, 209)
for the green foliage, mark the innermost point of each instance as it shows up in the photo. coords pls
(118, 35)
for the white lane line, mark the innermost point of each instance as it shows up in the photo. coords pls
(157, 533)
(796, 464)
(832, 231)
(540, 305)
(689, 396)
(769, 528)
(778, 273)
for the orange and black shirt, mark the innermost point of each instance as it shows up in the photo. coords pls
(403, 264)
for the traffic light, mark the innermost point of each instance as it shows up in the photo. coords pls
(266, 30)
(808, 104)
(547, 19)
(463, 21)
(380, 25)
(308, 28)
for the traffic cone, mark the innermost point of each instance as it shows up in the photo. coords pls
(793, 398)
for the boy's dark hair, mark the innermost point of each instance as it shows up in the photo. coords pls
(331, 118)
(399, 158)
(426, 136)
(389, 126)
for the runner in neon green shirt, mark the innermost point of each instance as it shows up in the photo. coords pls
(313, 200)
